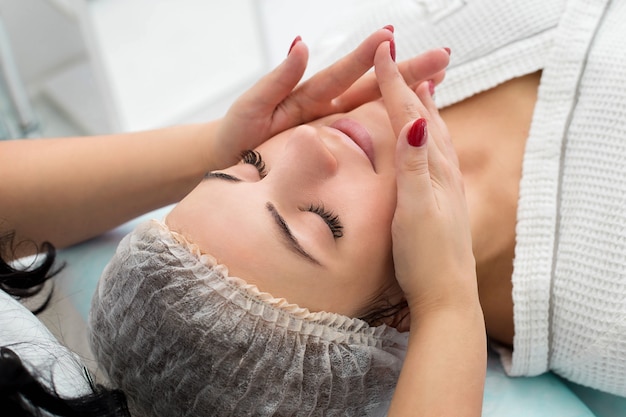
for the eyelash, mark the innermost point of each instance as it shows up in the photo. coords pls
(331, 219)
(254, 158)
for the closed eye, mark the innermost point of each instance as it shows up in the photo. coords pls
(254, 158)
(331, 219)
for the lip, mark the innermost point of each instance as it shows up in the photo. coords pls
(357, 134)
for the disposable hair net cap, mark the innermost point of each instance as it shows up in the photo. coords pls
(181, 337)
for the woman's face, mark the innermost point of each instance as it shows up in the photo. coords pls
(313, 226)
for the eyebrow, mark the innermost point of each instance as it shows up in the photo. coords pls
(279, 220)
(290, 239)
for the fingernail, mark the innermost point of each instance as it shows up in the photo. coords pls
(392, 49)
(447, 50)
(417, 133)
(390, 28)
(431, 87)
(295, 41)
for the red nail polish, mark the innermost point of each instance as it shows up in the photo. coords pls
(431, 87)
(392, 49)
(417, 133)
(295, 41)
(447, 50)
(390, 28)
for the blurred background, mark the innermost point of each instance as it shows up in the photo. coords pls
(85, 67)
(74, 67)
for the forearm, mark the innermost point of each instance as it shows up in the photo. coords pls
(69, 189)
(444, 370)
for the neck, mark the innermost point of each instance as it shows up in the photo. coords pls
(489, 131)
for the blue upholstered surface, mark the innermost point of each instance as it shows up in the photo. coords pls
(542, 396)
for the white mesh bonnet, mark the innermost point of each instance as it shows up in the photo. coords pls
(182, 338)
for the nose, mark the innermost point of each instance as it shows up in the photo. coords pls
(306, 160)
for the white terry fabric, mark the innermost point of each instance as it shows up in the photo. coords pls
(491, 41)
(23, 333)
(570, 266)
(569, 282)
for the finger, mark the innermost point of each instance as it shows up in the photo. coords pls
(334, 80)
(428, 65)
(437, 125)
(437, 78)
(274, 87)
(412, 167)
(420, 169)
(424, 93)
(401, 101)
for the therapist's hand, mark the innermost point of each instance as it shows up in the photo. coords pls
(432, 244)
(444, 369)
(277, 102)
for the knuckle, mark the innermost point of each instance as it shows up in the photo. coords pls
(406, 112)
(390, 79)
(412, 109)
(415, 166)
(452, 175)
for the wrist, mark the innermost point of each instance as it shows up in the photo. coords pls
(457, 296)
(468, 315)
(208, 146)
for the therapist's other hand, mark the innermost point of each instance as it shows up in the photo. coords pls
(432, 245)
(443, 372)
(277, 102)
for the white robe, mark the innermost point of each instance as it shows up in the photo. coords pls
(569, 279)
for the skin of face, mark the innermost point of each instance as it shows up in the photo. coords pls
(241, 221)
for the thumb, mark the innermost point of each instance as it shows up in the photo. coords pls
(271, 89)
(412, 172)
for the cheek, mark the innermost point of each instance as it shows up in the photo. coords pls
(371, 207)
(374, 246)
(371, 273)
(370, 234)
